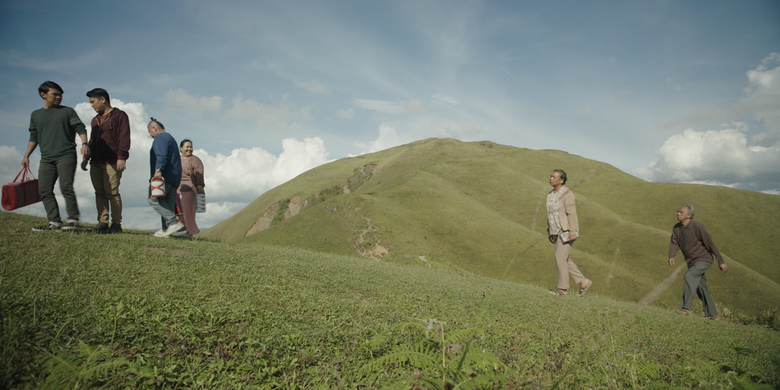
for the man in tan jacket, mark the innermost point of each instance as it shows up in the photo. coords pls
(562, 230)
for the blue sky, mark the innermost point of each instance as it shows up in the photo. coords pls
(666, 90)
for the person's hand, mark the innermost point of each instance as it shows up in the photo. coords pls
(572, 236)
(723, 267)
(25, 162)
(120, 165)
(85, 150)
(199, 190)
(157, 174)
(671, 261)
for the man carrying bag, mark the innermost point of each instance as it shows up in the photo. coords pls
(54, 128)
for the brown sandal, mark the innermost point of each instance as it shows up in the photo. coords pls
(558, 291)
(585, 288)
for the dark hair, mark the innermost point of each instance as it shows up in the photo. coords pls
(181, 145)
(563, 174)
(158, 123)
(99, 93)
(44, 88)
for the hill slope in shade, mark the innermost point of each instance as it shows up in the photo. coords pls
(479, 207)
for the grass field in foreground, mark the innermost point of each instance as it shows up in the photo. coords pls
(81, 310)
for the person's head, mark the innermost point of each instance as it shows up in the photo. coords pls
(557, 178)
(186, 148)
(685, 212)
(51, 93)
(155, 127)
(99, 100)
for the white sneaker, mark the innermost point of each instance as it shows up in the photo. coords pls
(160, 233)
(71, 224)
(173, 228)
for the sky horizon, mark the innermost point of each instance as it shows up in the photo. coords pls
(666, 91)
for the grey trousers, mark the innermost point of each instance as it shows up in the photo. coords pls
(165, 205)
(63, 169)
(696, 284)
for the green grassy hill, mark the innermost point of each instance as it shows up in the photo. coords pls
(80, 310)
(479, 207)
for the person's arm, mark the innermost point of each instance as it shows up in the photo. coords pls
(84, 146)
(570, 208)
(706, 240)
(161, 158)
(26, 158)
(123, 139)
(81, 130)
(673, 247)
(198, 179)
(31, 144)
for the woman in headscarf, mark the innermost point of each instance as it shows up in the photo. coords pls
(192, 183)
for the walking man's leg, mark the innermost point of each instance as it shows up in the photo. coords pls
(47, 176)
(66, 169)
(692, 280)
(97, 173)
(112, 193)
(703, 292)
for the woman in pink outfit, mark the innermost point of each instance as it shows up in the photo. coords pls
(191, 183)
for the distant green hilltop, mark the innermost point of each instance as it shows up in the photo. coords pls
(479, 207)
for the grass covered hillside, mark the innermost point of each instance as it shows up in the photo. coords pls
(132, 311)
(479, 207)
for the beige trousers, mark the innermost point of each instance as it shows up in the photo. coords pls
(566, 267)
(105, 180)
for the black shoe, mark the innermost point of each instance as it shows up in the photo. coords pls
(101, 228)
(115, 228)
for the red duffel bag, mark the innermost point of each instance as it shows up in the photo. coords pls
(21, 193)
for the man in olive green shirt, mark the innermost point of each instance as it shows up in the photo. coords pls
(54, 128)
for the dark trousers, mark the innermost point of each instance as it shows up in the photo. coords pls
(63, 169)
(696, 283)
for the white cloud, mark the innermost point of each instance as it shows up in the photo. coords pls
(725, 157)
(348, 113)
(713, 156)
(388, 107)
(388, 138)
(762, 103)
(763, 100)
(415, 106)
(456, 130)
(379, 105)
(441, 99)
(180, 98)
(313, 87)
(764, 79)
(283, 114)
(246, 173)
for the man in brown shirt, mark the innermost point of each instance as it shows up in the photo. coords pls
(692, 238)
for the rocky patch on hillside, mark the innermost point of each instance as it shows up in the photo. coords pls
(288, 208)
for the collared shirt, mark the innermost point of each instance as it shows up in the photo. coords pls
(553, 219)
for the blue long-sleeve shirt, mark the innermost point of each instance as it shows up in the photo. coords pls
(164, 155)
